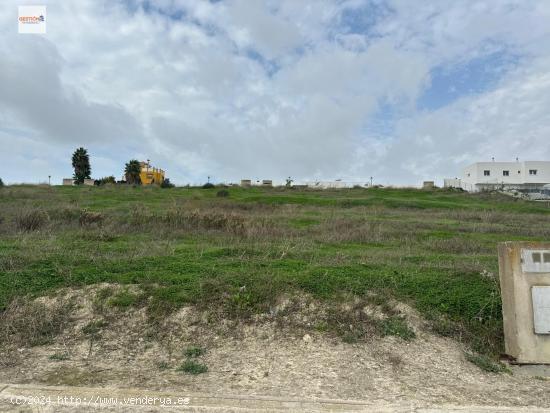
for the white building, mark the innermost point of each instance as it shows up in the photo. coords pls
(528, 175)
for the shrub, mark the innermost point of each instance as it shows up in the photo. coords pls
(31, 219)
(194, 351)
(59, 357)
(167, 184)
(32, 323)
(223, 193)
(486, 363)
(192, 367)
(106, 180)
(197, 219)
(163, 365)
(89, 218)
(397, 326)
(93, 328)
(208, 185)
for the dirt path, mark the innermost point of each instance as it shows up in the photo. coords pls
(29, 398)
(263, 359)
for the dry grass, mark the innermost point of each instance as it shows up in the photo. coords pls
(26, 323)
(31, 219)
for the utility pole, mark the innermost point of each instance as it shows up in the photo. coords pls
(49, 180)
(371, 181)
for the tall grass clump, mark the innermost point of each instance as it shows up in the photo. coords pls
(31, 219)
(32, 323)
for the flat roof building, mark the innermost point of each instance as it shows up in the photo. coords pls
(527, 175)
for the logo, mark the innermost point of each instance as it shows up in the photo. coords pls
(32, 19)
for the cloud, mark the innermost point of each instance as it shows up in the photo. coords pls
(32, 91)
(267, 89)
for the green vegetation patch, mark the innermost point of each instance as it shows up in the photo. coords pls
(235, 256)
(486, 363)
(192, 367)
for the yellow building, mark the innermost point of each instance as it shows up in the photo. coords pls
(150, 175)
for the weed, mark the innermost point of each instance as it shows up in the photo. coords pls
(87, 218)
(26, 322)
(194, 351)
(59, 357)
(395, 361)
(163, 365)
(397, 326)
(192, 367)
(31, 219)
(486, 363)
(94, 327)
(321, 326)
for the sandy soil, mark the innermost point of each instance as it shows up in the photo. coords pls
(264, 358)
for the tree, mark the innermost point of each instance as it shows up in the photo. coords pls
(81, 165)
(132, 171)
(1, 183)
(167, 184)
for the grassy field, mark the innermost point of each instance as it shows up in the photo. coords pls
(435, 250)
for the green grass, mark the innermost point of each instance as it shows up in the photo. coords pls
(486, 363)
(237, 254)
(123, 300)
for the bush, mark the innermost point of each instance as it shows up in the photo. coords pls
(31, 219)
(88, 218)
(31, 323)
(223, 193)
(105, 180)
(194, 351)
(167, 184)
(208, 185)
(397, 326)
(192, 367)
(485, 363)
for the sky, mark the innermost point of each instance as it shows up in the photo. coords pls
(400, 90)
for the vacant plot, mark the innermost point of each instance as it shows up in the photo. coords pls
(236, 255)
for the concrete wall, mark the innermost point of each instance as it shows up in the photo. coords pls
(68, 181)
(519, 273)
(452, 183)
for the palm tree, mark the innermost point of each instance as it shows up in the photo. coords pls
(132, 171)
(81, 165)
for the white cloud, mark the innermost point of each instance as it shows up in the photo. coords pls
(267, 89)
